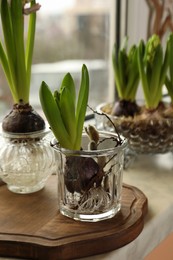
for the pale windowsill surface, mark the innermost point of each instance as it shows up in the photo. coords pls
(154, 176)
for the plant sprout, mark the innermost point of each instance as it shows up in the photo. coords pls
(64, 111)
(153, 65)
(169, 78)
(126, 71)
(15, 57)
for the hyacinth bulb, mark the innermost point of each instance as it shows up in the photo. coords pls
(79, 171)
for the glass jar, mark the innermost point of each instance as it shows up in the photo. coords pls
(146, 135)
(90, 181)
(26, 161)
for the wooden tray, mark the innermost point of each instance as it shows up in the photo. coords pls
(31, 226)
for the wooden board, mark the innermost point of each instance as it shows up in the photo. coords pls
(32, 227)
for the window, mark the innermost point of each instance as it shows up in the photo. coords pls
(68, 34)
(72, 32)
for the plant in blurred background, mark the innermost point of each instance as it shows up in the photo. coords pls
(126, 76)
(16, 60)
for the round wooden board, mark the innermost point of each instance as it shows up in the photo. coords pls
(32, 227)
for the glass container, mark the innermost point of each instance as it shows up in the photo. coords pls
(90, 181)
(26, 161)
(150, 135)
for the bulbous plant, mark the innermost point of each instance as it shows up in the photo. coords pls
(153, 65)
(87, 174)
(65, 114)
(126, 76)
(150, 128)
(23, 146)
(16, 60)
(65, 117)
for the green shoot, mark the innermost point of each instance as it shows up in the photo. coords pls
(16, 59)
(153, 65)
(64, 112)
(169, 77)
(126, 72)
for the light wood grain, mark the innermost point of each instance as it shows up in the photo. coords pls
(32, 227)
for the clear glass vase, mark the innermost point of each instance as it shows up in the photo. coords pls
(150, 135)
(90, 181)
(26, 161)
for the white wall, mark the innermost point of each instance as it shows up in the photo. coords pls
(137, 23)
(137, 20)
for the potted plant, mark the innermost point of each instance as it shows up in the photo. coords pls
(149, 130)
(126, 75)
(16, 60)
(90, 165)
(23, 128)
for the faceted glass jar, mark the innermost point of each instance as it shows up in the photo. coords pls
(26, 161)
(150, 135)
(90, 181)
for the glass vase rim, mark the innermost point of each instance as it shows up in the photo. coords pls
(104, 104)
(35, 134)
(98, 152)
(139, 101)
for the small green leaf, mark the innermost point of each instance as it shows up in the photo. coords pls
(168, 58)
(9, 42)
(5, 65)
(68, 116)
(169, 87)
(171, 55)
(116, 73)
(143, 77)
(30, 46)
(122, 71)
(68, 82)
(53, 116)
(156, 71)
(18, 35)
(82, 105)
